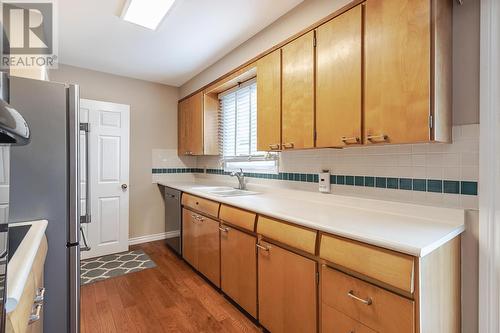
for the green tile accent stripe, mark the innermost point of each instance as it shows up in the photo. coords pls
(177, 170)
(408, 184)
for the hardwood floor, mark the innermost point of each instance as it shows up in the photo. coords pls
(168, 298)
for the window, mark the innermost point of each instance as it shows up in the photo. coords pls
(238, 131)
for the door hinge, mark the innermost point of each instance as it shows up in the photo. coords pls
(85, 127)
(317, 278)
(431, 121)
(315, 136)
(314, 41)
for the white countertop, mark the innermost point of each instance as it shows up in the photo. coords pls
(408, 228)
(19, 266)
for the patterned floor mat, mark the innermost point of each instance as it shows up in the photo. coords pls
(105, 267)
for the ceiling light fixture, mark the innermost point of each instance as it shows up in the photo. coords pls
(146, 13)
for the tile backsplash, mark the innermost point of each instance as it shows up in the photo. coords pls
(435, 174)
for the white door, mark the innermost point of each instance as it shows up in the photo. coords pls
(109, 128)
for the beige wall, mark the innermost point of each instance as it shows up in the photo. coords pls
(153, 124)
(465, 51)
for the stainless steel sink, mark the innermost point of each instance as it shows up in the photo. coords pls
(225, 191)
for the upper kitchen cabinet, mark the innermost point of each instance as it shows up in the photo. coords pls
(298, 93)
(198, 125)
(407, 71)
(269, 102)
(338, 80)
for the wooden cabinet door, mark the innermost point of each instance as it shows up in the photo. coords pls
(269, 102)
(209, 249)
(397, 71)
(190, 124)
(287, 290)
(298, 93)
(338, 80)
(239, 268)
(189, 238)
(182, 128)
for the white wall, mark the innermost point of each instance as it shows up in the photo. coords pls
(153, 125)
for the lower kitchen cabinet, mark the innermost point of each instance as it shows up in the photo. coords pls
(333, 321)
(189, 240)
(201, 245)
(367, 305)
(287, 290)
(239, 268)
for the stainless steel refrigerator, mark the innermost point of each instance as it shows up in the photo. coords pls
(45, 185)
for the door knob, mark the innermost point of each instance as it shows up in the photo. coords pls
(124, 186)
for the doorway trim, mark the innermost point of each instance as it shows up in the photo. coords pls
(489, 166)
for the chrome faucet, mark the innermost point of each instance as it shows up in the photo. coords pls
(241, 179)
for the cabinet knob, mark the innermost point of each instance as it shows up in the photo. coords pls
(124, 186)
(377, 138)
(262, 247)
(40, 295)
(224, 229)
(352, 140)
(35, 313)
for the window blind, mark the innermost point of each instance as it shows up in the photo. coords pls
(238, 131)
(238, 122)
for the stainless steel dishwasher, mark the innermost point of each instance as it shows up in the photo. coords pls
(173, 215)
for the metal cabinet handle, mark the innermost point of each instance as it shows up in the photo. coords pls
(224, 229)
(35, 313)
(124, 186)
(364, 301)
(188, 153)
(262, 247)
(288, 145)
(274, 146)
(353, 140)
(377, 138)
(40, 295)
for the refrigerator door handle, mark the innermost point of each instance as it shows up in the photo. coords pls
(85, 127)
(74, 165)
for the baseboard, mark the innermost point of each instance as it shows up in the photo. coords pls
(153, 237)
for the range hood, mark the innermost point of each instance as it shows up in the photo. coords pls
(13, 128)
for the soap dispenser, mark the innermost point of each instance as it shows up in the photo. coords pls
(324, 181)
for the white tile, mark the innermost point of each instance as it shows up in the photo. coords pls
(451, 173)
(469, 159)
(469, 173)
(419, 160)
(434, 172)
(451, 160)
(470, 131)
(434, 160)
(419, 148)
(419, 172)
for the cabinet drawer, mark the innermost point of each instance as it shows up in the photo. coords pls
(202, 205)
(237, 217)
(392, 268)
(381, 310)
(333, 321)
(297, 237)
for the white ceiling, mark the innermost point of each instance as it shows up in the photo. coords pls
(193, 35)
